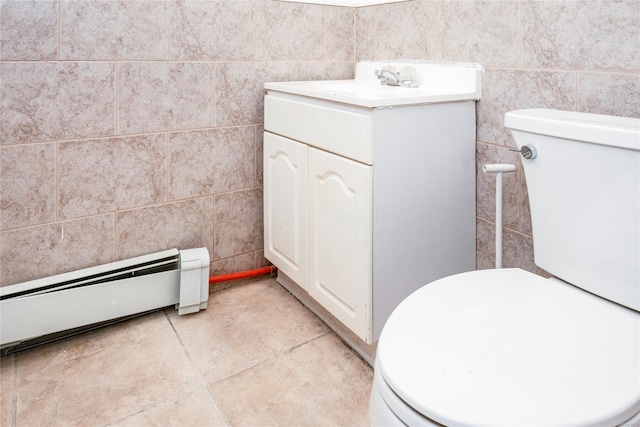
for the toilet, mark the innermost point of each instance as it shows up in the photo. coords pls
(510, 348)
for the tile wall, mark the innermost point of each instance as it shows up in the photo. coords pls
(128, 127)
(579, 55)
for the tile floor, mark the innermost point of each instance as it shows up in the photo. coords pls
(255, 357)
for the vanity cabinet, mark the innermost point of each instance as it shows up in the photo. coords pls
(285, 205)
(362, 206)
(339, 211)
(318, 226)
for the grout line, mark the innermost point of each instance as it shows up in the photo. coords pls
(116, 117)
(169, 34)
(56, 177)
(14, 397)
(521, 34)
(167, 161)
(59, 28)
(302, 344)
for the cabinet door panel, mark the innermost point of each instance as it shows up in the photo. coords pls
(285, 205)
(340, 217)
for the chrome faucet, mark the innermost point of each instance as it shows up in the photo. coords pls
(387, 77)
(391, 78)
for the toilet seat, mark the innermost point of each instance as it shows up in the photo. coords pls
(507, 347)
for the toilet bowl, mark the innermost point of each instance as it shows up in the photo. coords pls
(511, 348)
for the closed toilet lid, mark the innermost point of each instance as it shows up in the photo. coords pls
(507, 347)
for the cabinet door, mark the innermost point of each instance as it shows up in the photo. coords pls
(340, 218)
(285, 206)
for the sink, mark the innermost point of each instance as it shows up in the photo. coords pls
(354, 87)
(438, 83)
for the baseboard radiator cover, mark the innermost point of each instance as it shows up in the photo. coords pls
(46, 309)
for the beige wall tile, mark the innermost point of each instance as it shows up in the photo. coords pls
(517, 251)
(238, 223)
(507, 90)
(48, 101)
(485, 244)
(240, 101)
(486, 185)
(105, 175)
(211, 161)
(340, 31)
(614, 94)
(248, 261)
(398, 30)
(576, 55)
(212, 30)
(260, 260)
(28, 30)
(40, 251)
(233, 264)
(588, 35)
(28, 185)
(159, 96)
(487, 32)
(259, 154)
(366, 38)
(290, 31)
(182, 225)
(113, 30)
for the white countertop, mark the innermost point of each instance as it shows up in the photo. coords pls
(437, 83)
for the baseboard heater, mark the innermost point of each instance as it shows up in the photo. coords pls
(39, 311)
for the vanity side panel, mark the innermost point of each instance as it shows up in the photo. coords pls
(423, 199)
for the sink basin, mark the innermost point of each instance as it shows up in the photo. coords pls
(364, 88)
(438, 83)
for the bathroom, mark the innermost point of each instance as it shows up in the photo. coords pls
(132, 127)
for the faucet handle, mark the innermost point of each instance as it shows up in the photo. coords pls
(408, 73)
(407, 77)
(409, 83)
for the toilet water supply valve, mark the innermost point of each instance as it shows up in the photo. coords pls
(499, 169)
(527, 151)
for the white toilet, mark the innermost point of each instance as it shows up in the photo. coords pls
(510, 348)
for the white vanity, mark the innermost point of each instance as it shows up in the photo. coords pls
(369, 190)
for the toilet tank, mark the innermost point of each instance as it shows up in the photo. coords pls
(584, 195)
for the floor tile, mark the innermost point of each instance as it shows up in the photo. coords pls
(102, 376)
(254, 357)
(321, 383)
(7, 390)
(193, 407)
(243, 326)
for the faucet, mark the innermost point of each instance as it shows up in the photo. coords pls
(386, 77)
(391, 78)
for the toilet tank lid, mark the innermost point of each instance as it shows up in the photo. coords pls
(596, 128)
